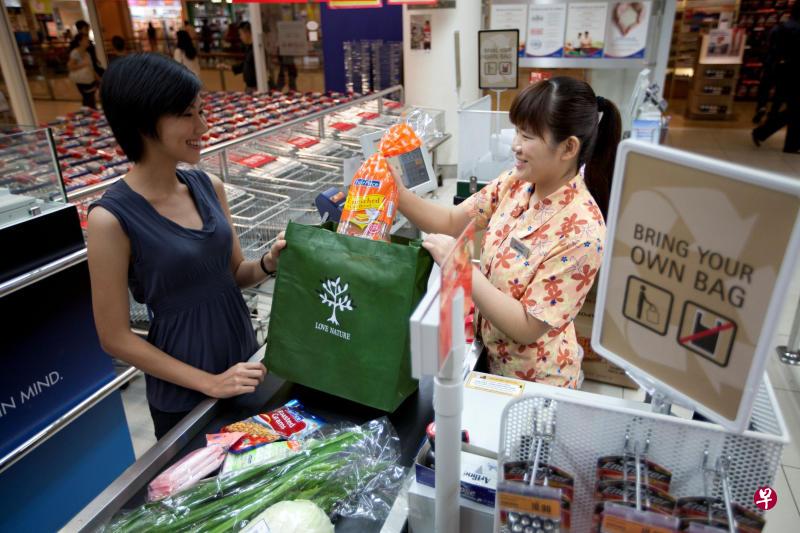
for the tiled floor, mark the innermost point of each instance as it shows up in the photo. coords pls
(729, 144)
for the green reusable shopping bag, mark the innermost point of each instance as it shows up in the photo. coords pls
(339, 319)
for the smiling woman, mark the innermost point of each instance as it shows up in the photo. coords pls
(166, 235)
(544, 230)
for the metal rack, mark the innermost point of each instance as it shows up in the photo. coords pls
(790, 354)
(588, 430)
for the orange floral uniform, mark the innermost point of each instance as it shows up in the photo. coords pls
(546, 255)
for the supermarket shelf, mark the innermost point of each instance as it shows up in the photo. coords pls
(271, 130)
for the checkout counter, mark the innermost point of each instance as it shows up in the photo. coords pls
(129, 489)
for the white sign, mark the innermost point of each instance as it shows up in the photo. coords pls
(292, 40)
(698, 257)
(586, 30)
(510, 17)
(497, 59)
(546, 25)
(627, 33)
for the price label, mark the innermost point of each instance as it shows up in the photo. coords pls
(343, 126)
(303, 142)
(253, 160)
(519, 503)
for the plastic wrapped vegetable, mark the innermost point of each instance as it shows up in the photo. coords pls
(348, 471)
(186, 472)
(298, 516)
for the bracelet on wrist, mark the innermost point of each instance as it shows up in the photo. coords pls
(265, 269)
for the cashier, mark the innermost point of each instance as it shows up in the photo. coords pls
(166, 234)
(545, 230)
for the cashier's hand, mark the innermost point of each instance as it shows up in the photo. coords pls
(439, 246)
(241, 378)
(271, 260)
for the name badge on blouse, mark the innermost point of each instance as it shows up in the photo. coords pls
(519, 247)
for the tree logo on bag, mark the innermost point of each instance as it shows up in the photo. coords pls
(335, 296)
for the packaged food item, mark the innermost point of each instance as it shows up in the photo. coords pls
(288, 422)
(226, 440)
(186, 472)
(617, 467)
(262, 455)
(371, 204)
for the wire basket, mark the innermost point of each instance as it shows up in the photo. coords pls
(585, 431)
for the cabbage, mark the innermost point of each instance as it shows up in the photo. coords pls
(298, 516)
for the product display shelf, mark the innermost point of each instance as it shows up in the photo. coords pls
(28, 164)
(758, 18)
(89, 155)
(584, 431)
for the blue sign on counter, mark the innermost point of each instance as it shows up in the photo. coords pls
(49, 352)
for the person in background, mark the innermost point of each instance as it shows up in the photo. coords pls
(247, 68)
(287, 67)
(118, 48)
(233, 37)
(206, 36)
(151, 37)
(190, 29)
(781, 69)
(186, 54)
(83, 27)
(166, 235)
(81, 71)
(545, 229)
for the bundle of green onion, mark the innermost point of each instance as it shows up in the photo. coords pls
(327, 472)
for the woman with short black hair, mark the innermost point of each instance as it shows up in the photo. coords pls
(167, 235)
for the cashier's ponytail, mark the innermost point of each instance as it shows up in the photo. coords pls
(566, 107)
(600, 159)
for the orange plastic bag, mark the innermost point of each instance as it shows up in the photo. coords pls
(371, 204)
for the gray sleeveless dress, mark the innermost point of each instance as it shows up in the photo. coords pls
(184, 277)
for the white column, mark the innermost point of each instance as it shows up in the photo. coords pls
(664, 42)
(258, 46)
(14, 75)
(430, 75)
(94, 22)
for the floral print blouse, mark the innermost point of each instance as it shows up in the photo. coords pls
(546, 255)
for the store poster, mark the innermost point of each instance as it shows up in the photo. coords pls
(546, 25)
(498, 62)
(420, 32)
(292, 38)
(695, 260)
(511, 17)
(627, 32)
(586, 30)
